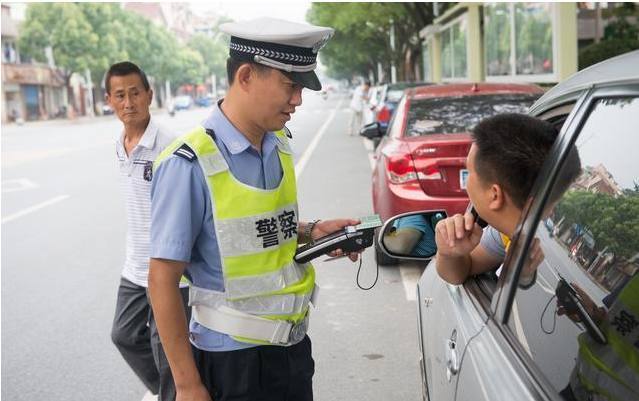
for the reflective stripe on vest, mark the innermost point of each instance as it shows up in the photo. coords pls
(611, 371)
(256, 231)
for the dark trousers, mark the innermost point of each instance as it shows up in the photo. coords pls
(135, 335)
(264, 373)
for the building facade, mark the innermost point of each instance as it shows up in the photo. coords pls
(29, 91)
(498, 42)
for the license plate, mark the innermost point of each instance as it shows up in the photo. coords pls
(463, 178)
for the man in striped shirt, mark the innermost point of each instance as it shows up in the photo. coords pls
(134, 331)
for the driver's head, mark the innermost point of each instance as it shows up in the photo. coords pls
(504, 161)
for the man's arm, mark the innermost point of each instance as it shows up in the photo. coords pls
(403, 240)
(323, 228)
(168, 311)
(178, 205)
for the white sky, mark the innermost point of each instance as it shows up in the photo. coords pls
(237, 10)
(243, 10)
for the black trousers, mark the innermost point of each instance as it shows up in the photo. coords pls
(263, 373)
(135, 335)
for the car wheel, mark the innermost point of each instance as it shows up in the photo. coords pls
(380, 257)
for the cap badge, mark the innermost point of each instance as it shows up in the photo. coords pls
(317, 46)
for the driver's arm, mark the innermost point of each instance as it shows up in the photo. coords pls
(402, 241)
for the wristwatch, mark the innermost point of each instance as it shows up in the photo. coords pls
(309, 229)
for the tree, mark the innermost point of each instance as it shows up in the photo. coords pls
(613, 221)
(64, 28)
(95, 35)
(362, 36)
(213, 51)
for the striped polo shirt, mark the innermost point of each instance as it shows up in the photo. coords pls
(136, 173)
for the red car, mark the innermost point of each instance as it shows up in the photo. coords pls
(421, 159)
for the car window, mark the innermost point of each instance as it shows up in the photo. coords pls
(449, 115)
(579, 321)
(396, 124)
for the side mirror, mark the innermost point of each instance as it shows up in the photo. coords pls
(373, 130)
(410, 235)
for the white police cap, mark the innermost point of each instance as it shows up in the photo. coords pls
(284, 45)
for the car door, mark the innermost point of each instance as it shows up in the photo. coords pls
(528, 349)
(449, 317)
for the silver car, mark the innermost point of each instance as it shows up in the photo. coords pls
(489, 339)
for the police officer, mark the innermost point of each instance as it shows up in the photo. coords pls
(225, 215)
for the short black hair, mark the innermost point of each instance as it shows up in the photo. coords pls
(511, 148)
(232, 65)
(124, 68)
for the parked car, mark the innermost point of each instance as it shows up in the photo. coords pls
(421, 161)
(106, 110)
(182, 102)
(489, 339)
(205, 101)
(388, 97)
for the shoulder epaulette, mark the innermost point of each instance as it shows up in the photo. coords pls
(185, 152)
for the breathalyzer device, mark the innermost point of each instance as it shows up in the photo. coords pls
(349, 239)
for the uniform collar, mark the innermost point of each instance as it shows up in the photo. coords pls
(233, 139)
(148, 137)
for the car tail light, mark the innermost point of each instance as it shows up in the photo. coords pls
(430, 173)
(383, 116)
(400, 167)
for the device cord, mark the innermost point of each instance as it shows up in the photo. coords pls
(554, 320)
(358, 271)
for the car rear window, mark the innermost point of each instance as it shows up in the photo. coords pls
(451, 115)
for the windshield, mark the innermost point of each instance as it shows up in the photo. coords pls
(451, 115)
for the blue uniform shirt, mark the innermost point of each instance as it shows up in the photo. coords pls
(181, 212)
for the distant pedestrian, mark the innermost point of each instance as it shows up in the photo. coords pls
(134, 332)
(358, 104)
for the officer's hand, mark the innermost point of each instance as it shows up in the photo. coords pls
(325, 227)
(193, 393)
(457, 235)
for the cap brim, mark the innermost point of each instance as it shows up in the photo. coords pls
(306, 79)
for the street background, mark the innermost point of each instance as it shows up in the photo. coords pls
(63, 238)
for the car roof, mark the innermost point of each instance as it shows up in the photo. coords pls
(623, 68)
(471, 89)
(406, 85)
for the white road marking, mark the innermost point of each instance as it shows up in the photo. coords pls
(301, 164)
(148, 396)
(19, 184)
(410, 276)
(520, 329)
(34, 208)
(368, 145)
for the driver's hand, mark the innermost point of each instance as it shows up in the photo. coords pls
(457, 235)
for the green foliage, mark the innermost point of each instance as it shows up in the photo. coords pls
(96, 35)
(597, 52)
(621, 29)
(64, 28)
(213, 51)
(613, 221)
(362, 34)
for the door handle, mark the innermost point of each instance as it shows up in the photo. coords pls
(452, 362)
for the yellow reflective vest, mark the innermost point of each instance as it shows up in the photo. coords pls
(611, 371)
(266, 293)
